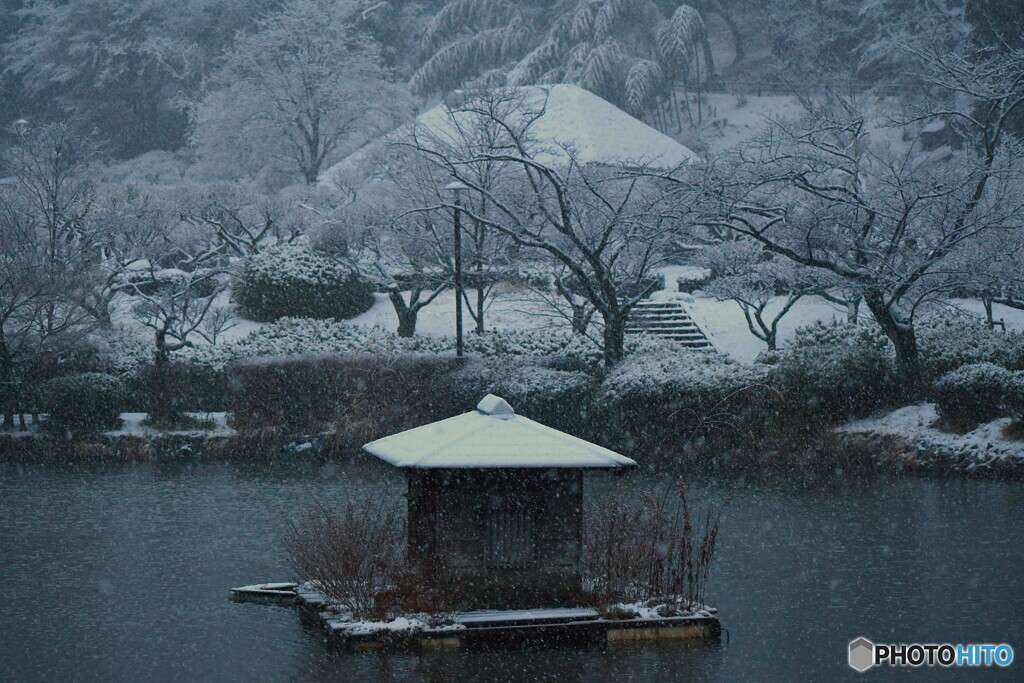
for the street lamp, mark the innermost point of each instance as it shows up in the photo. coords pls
(456, 188)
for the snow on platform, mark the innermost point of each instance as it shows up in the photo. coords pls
(484, 617)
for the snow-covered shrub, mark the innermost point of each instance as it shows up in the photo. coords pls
(692, 279)
(948, 340)
(535, 387)
(831, 372)
(297, 336)
(292, 336)
(973, 394)
(123, 354)
(667, 398)
(86, 402)
(292, 281)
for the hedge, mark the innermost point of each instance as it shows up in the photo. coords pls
(365, 396)
(86, 402)
(666, 400)
(832, 372)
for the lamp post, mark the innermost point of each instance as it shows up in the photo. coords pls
(456, 188)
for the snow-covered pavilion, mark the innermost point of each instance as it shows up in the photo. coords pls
(495, 503)
(562, 117)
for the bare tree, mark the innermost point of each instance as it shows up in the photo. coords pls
(304, 83)
(745, 273)
(887, 221)
(604, 226)
(178, 311)
(46, 253)
(242, 221)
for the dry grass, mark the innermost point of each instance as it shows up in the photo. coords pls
(354, 552)
(1014, 430)
(651, 547)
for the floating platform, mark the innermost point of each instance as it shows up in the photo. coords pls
(269, 593)
(482, 630)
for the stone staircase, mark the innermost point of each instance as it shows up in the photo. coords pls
(669, 320)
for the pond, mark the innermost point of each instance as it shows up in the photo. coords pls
(122, 572)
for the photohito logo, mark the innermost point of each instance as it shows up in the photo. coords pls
(864, 654)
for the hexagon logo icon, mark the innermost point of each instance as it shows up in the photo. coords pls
(862, 654)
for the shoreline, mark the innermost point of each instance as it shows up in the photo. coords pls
(898, 443)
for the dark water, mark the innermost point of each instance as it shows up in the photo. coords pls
(121, 573)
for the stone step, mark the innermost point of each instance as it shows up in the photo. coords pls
(661, 324)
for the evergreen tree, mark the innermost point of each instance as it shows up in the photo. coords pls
(630, 52)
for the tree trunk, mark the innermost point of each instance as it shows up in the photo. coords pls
(904, 340)
(580, 319)
(406, 314)
(6, 381)
(853, 310)
(614, 337)
(737, 38)
(162, 407)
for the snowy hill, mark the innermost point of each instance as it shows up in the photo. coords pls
(567, 117)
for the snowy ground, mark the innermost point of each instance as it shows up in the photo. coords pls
(517, 308)
(914, 424)
(131, 425)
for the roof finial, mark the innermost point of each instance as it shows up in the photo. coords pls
(495, 406)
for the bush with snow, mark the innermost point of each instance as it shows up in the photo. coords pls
(292, 281)
(949, 340)
(371, 395)
(662, 399)
(831, 372)
(535, 387)
(291, 336)
(87, 402)
(976, 393)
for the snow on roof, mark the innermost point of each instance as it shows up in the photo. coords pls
(594, 129)
(492, 436)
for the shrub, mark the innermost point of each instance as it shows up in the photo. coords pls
(973, 394)
(290, 281)
(295, 336)
(368, 396)
(651, 547)
(364, 395)
(547, 390)
(352, 552)
(184, 387)
(947, 341)
(832, 372)
(87, 402)
(662, 400)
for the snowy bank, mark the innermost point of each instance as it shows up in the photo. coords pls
(906, 439)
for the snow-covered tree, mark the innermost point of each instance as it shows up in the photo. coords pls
(45, 202)
(240, 220)
(629, 52)
(301, 87)
(604, 225)
(743, 272)
(885, 219)
(119, 64)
